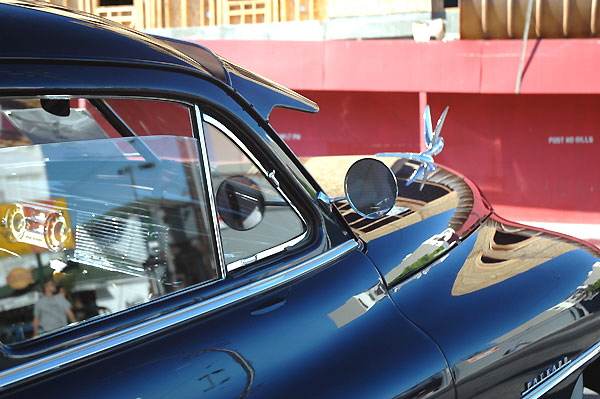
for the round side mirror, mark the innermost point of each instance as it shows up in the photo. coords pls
(240, 203)
(371, 188)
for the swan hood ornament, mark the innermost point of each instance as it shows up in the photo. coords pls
(434, 144)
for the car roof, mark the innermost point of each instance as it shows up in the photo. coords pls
(40, 31)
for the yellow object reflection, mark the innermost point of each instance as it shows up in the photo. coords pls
(30, 226)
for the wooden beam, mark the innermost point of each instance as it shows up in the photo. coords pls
(184, 12)
(167, 10)
(138, 14)
(212, 18)
(275, 11)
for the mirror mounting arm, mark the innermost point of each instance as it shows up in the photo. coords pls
(325, 201)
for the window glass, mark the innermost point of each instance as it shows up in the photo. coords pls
(255, 220)
(90, 224)
(146, 117)
(25, 121)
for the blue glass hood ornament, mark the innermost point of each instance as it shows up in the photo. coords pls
(434, 143)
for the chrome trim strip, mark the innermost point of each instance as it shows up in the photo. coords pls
(557, 378)
(211, 193)
(268, 252)
(82, 351)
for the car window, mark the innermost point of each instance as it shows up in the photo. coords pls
(95, 219)
(255, 218)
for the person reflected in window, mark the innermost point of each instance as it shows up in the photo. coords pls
(52, 311)
(84, 311)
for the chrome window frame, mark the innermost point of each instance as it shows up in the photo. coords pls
(242, 147)
(198, 125)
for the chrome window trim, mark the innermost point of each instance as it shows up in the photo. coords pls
(266, 253)
(559, 377)
(88, 349)
(211, 194)
(280, 247)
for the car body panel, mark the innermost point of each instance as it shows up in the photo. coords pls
(500, 316)
(484, 312)
(425, 223)
(302, 339)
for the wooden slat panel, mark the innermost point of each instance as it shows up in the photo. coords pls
(160, 15)
(150, 14)
(122, 14)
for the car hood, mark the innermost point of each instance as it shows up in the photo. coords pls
(425, 223)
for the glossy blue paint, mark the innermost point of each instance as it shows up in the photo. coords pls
(294, 350)
(500, 321)
(405, 241)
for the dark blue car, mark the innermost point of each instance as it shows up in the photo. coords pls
(159, 240)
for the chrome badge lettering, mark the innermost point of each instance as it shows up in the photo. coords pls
(544, 375)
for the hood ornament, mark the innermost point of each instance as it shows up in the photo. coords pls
(434, 144)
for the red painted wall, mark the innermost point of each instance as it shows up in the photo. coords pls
(351, 123)
(552, 66)
(518, 147)
(515, 147)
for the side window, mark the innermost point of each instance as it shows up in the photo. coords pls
(255, 218)
(94, 217)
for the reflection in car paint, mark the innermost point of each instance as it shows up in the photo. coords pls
(483, 354)
(358, 305)
(214, 379)
(431, 249)
(444, 192)
(503, 250)
(429, 387)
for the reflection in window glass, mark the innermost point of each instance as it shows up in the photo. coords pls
(95, 226)
(146, 117)
(255, 220)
